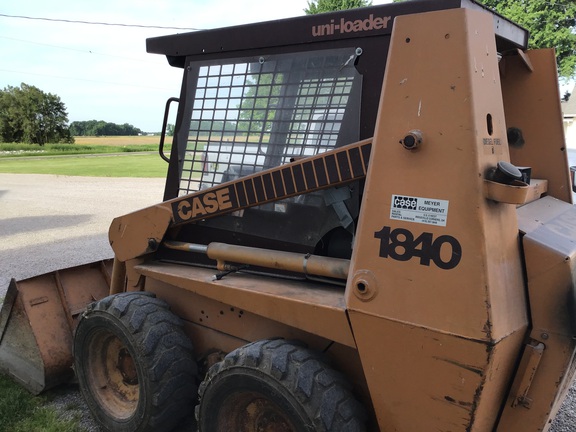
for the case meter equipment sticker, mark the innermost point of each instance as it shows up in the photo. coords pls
(420, 210)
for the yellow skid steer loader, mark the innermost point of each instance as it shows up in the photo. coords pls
(367, 225)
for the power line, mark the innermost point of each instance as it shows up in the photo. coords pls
(83, 51)
(97, 23)
(87, 80)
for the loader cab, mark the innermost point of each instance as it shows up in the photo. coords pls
(258, 96)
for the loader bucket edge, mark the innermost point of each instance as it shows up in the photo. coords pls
(37, 321)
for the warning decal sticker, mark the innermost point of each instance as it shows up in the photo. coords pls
(420, 210)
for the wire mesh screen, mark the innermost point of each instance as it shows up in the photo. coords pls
(249, 116)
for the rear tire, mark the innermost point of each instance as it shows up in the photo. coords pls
(134, 364)
(276, 386)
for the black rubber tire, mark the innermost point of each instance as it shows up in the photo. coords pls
(134, 364)
(276, 385)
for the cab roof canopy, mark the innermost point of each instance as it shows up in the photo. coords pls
(310, 32)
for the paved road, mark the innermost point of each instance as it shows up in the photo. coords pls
(50, 222)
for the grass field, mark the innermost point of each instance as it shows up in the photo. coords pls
(86, 145)
(117, 156)
(110, 165)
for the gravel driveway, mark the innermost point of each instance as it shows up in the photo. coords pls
(49, 222)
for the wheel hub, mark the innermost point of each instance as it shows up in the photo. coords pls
(127, 367)
(113, 375)
(250, 412)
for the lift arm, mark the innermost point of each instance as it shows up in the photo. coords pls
(141, 232)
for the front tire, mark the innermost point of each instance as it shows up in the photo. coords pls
(134, 364)
(276, 386)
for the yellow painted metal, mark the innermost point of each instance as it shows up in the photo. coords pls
(311, 307)
(139, 233)
(512, 194)
(526, 372)
(532, 104)
(313, 265)
(439, 335)
(118, 279)
(38, 319)
(549, 227)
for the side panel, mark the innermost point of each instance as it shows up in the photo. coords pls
(315, 309)
(436, 272)
(217, 328)
(422, 380)
(233, 326)
(532, 104)
(550, 227)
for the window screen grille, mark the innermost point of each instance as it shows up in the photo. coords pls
(249, 116)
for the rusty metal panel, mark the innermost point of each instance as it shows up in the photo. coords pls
(19, 354)
(532, 104)
(550, 229)
(216, 325)
(38, 320)
(313, 308)
(424, 380)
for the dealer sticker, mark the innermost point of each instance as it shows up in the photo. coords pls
(428, 211)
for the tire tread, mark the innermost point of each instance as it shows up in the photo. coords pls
(165, 351)
(324, 393)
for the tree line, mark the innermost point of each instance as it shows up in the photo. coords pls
(29, 115)
(102, 128)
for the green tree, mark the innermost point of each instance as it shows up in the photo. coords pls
(321, 6)
(100, 128)
(29, 115)
(170, 128)
(259, 103)
(552, 24)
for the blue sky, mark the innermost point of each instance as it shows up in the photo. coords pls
(104, 72)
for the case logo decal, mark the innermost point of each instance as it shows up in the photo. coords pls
(419, 210)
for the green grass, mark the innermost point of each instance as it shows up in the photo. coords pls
(22, 412)
(25, 150)
(118, 156)
(126, 165)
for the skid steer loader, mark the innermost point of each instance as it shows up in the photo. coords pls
(367, 225)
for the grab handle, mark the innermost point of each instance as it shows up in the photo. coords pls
(164, 124)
